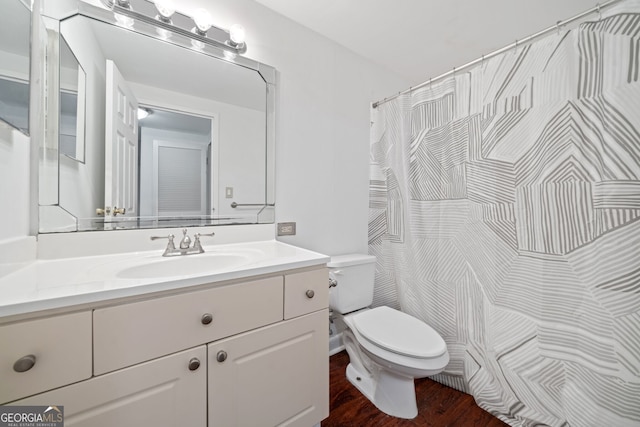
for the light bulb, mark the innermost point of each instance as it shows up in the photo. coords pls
(197, 45)
(203, 21)
(123, 21)
(163, 34)
(142, 113)
(166, 9)
(237, 34)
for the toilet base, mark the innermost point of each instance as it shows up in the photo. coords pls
(393, 394)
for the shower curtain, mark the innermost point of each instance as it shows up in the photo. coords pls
(505, 213)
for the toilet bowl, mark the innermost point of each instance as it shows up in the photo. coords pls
(382, 367)
(387, 348)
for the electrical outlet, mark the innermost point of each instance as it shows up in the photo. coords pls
(286, 229)
(228, 192)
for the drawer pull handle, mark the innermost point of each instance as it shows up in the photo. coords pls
(194, 364)
(221, 356)
(310, 294)
(207, 318)
(24, 363)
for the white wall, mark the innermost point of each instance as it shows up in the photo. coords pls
(322, 144)
(14, 183)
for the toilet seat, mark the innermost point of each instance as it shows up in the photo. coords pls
(399, 333)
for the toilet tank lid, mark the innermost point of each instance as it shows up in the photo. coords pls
(340, 261)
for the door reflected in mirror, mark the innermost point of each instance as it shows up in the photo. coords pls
(176, 164)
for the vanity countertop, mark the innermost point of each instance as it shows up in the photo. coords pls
(64, 283)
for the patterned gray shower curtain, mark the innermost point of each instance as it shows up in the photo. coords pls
(505, 213)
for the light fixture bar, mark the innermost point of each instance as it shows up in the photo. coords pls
(179, 30)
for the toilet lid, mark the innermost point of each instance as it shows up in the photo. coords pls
(399, 332)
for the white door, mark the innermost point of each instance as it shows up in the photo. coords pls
(274, 376)
(121, 146)
(165, 392)
(180, 178)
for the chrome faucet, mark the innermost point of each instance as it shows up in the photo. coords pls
(185, 247)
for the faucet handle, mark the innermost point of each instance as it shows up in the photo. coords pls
(170, 237)
(196, 242)
(170, 245)
(204, 234)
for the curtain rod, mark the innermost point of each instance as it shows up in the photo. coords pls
(597, 9)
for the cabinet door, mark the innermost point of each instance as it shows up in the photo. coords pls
(163, 392)
(276, 375)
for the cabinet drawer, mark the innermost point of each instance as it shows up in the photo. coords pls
(170, 392)
(131, 333)
(60, 346)
(305, 292)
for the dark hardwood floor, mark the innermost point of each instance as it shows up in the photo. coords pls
(438, 405)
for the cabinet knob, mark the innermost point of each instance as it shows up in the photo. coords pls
(24, 363)
(194, 364)
(310, 294)
(207, 318)
(221, 356)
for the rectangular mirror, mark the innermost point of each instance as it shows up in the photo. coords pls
(15, 26)
(155, 129)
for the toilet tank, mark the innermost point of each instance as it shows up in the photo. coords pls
(355, 274)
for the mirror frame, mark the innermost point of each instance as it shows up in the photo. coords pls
(52, 217)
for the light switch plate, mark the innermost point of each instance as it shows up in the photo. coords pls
(286, 229)
(228, 192)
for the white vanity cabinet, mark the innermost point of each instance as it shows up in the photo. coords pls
(169, 391)
(249, 352)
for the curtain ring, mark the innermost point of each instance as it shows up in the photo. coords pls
(558, 26)
(599, 12)
(429, 83)
(515, 49)
(482, 61)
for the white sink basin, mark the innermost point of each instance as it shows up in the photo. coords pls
(183, 265)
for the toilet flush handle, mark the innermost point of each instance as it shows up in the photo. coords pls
(332, 281)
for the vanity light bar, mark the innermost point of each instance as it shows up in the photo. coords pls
(228, 45)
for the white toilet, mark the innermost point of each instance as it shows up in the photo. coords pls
(387, 348)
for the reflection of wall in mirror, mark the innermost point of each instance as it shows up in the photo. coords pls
(14, 78)
(82, 185)
(241, 145)
(14, 63)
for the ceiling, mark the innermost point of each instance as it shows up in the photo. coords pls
(421, 39)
